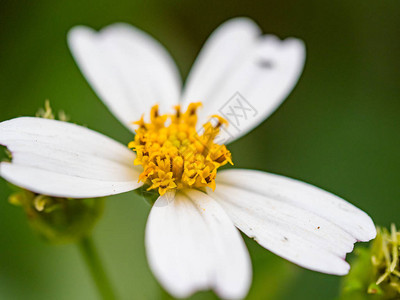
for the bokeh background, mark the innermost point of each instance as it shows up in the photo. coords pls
(339, 129)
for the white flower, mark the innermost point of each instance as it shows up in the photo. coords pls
(191, 240)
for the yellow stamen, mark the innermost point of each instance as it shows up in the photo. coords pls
(176, 156)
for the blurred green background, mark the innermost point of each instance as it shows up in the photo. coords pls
(339, 129)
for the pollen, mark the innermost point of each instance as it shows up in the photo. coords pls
(174, 154)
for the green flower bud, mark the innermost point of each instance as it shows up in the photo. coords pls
(59, 220)
(375, 273)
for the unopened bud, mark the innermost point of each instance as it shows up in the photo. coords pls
(59, 220)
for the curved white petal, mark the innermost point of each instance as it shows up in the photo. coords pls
(128, 69)
(222, 51)
(243, 76)
(66, 160)
(302, 223)
(192, 245)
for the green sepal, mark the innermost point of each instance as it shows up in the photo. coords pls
(150, 196)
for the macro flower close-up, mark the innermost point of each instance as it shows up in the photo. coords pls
(179, 152)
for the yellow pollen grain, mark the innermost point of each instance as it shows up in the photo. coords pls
(175, 155)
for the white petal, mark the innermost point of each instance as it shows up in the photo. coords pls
(66, 160)
(302, 223)
(222, 51)
(239, 67)
(192, 245)
(128, 69)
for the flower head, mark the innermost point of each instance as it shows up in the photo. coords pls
(191, 240)
(176, 155)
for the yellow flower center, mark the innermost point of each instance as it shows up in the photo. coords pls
(173, 153)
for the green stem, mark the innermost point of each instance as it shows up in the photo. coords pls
(93, 261)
